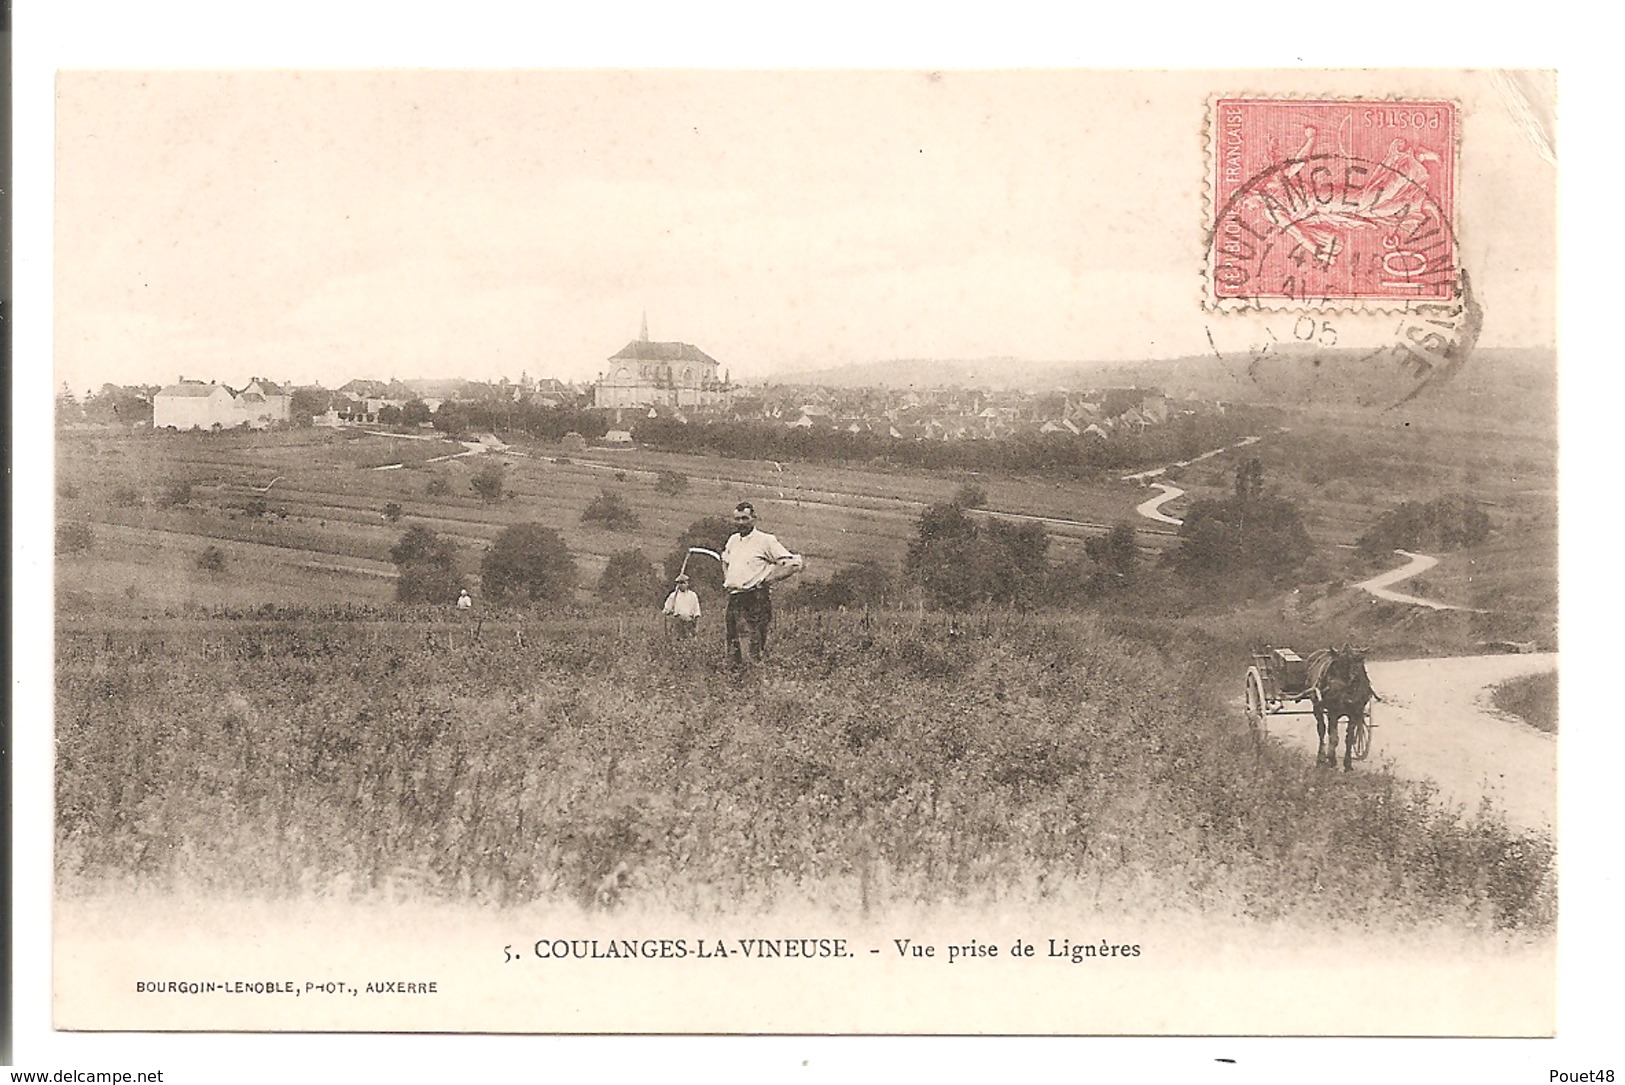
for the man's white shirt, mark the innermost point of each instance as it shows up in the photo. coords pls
(747, 559)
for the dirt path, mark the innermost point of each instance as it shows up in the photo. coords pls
(1158, 472)
(1152, 509)
(1418, 564)
(1436, 722)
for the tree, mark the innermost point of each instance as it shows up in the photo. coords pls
(1026, 541)
(1114, 552)
(488, 483)
(427, 566)
(1262, 537)
(450, 418)
(630, 577)
(390, 415)
(307, 403)
(938, 524)
(529, 561)
(416, 412)
(611, 510)
(1445, 523)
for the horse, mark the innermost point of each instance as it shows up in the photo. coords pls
(1340, 689)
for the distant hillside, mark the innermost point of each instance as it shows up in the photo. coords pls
(1521, 381)
(991, 373)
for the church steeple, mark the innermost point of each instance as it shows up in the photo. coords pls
(643, 331)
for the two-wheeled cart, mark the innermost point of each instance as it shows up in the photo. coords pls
(1279, 678)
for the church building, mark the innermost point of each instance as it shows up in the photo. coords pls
(649, 374)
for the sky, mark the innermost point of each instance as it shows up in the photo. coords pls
(322, 225)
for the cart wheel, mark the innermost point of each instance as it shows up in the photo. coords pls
(1360, 740)
(1257, 706)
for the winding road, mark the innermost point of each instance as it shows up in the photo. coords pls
(1418, 564)
(1152, 509)
(1435, 722)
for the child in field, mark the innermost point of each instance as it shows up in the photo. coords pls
(683, 607)
(464, 602)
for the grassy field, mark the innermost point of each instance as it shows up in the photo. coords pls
(877, 761)
(1532, 699)
(316, 501)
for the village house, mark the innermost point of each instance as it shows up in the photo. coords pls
(192, 404)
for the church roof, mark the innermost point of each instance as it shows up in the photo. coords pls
(642, 350)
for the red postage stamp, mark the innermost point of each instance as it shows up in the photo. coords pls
(1318, 201)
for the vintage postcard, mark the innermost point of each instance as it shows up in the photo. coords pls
(821, 552)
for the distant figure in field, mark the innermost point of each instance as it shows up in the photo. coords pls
(750, 562)
(683, 607)
(463, 601)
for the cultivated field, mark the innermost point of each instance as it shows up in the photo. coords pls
(324, 511)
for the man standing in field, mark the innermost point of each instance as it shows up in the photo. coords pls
(750, 562)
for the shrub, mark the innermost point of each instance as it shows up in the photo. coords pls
(672, 483)
(868, 583)
(859, 586)
(126, 497)
(392, 512)
(630, 577)
(73, 538)
(427, 567)
(438, 486)
(963, 563)
(968, 572)
(610, 510)
(529, 561)
(488, 483)
(1114, 552)
(212, 560)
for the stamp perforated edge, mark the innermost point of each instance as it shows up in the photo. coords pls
(1210, 302)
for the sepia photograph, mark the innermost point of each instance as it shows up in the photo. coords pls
(945, 533)
(827, 552)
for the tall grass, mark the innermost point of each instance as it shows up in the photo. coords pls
(879, 760)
